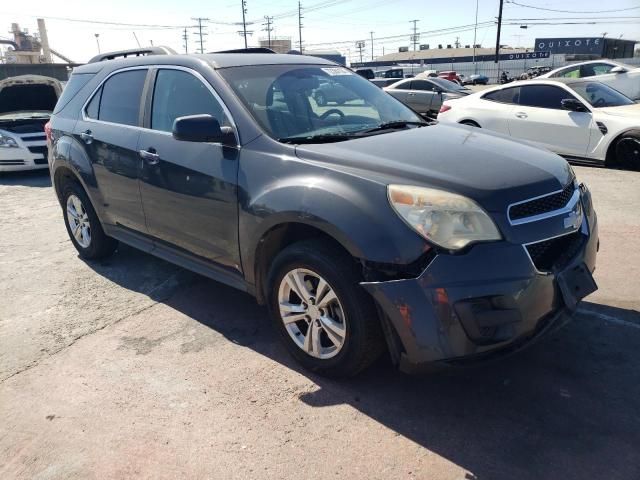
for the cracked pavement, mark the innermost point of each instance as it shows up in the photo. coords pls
(134, 368)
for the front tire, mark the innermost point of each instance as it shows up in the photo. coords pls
(327, 322)
(83, 226)
(628, 150)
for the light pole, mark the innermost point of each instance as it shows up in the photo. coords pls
(98, 40)
(475, 34)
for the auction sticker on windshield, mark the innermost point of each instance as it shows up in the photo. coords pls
(335, 71)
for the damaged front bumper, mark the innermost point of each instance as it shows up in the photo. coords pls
(489, 301)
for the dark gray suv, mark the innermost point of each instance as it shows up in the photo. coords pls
(361, 226)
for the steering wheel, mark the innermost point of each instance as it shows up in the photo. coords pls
(331, 112)
(601, 101)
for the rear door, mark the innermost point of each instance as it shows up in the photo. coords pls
(494, 109)
(108, 129)
(423, 97)
(540, 118)
(189, 189)
(401, 90)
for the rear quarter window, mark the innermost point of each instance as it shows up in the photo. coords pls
(73, 86)
(506, 95)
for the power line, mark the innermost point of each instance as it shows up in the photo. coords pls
(571, 11)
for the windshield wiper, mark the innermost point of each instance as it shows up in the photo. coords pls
(323, 138)
(392, 126)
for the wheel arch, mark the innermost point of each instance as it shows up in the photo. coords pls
(279, 237)
(610, 156)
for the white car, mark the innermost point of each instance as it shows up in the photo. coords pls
(576, 118)
(26, 103)
(624, 78)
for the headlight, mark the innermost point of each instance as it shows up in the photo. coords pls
(446, 219)
(7, 142)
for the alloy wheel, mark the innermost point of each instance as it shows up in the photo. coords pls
(311, 313)
(78, 221)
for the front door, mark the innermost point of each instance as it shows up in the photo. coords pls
(540, 118)
(108, 130)
(189, 190)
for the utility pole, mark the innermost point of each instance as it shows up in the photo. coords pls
(475, 34)
(98, 40)
(244, 22)
(498, 35)
(300, 17)
(200, 28)
(185, 37)
(268, 28)
(415, 37)
(360, 46)
(371, 46)
(457, 42)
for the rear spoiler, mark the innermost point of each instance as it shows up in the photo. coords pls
(134, 52)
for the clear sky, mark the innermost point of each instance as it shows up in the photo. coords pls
(328, 24)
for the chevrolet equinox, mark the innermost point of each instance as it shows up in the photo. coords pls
(361, 226)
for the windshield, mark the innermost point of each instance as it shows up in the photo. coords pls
(328, 102)
(600, 95)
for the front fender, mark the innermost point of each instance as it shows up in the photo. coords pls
(352, 210)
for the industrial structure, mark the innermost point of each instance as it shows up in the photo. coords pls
(32, 54)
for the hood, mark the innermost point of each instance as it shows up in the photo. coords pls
(28, 93)
(632, 111)
(489, 168)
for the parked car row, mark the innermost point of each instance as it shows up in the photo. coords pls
(361, 226)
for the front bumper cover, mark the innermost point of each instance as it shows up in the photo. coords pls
(488, 301)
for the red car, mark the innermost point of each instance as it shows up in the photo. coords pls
(451, 75)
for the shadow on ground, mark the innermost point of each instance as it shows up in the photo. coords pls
(566, 408)
(31, 178)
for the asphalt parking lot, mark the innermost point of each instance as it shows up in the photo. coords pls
(134, 367)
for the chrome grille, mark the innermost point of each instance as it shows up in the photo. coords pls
(545, 204)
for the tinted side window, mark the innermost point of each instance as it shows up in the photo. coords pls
(570, 73)
(543, 96)
(93, 107)
(422, 85)
(595, 69)
(506, 95)
(178, 94)
(120, 102)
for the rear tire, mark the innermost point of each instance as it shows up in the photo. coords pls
(83, 226)
(627, 150)
(353, 328)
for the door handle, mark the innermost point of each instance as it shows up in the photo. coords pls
(412, 95)
(86, 137)
(150, 156)
(521, 115)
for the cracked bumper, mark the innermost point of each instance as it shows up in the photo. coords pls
(489, 301)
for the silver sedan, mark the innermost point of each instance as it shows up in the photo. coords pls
(425, 95)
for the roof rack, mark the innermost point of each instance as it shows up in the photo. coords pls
(134, 52)
(248, 50)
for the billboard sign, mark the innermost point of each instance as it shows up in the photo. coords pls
(579, 45)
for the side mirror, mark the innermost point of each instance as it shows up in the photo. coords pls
(618, 69)
(573, 105)
(199, 128)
